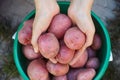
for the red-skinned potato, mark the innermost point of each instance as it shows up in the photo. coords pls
(64, 77)
(25, 34)
(57, 69)
(91, 52)
(81, 74)
(93, 63)
(65, 54)
(59, 25)
(29, 53)
(48, 45)
(81, 61)
(37, 70)
(96, 42)
(86, 74)
(74, 38)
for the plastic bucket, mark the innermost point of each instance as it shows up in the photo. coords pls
(103, 54)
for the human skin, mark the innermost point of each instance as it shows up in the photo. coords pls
(45, 11)
(80, 13)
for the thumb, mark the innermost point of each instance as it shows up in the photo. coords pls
(35, 45)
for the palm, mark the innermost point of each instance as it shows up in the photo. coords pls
(82, 18)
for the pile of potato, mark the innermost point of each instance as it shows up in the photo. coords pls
(57, 47)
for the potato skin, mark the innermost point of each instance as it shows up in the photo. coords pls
(64, 77)
(97, 43)
(72, 74)
(57, 69)
(59, 25)
(37, 70)
(74, 38)
(93, 63)
(65, 54)
(25, 34)
(86, 74)
(29, 53)
(81, 61)
(91, 52)
(48, 45)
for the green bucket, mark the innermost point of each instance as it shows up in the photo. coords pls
(103, 54)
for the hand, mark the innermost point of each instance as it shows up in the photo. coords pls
(45, 11)
(80, 13)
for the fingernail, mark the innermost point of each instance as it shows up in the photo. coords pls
(36, 50)
(53, 60)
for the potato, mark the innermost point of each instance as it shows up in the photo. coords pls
(74, 38)
(57, 69)
(59, 25)
(72, 74)
(65, 54)
(93, 63)
(64, 77)
(81, 74)
(25, 34)
(86, 74)
(81, 61)
(96, 42)
(48, 45)
(29, 53)
(37, 70)
(91, 52)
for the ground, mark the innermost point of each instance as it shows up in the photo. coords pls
(13, 11)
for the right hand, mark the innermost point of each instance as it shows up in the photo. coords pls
(45, 11)
(80, 13)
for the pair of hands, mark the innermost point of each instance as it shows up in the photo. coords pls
(80, 13)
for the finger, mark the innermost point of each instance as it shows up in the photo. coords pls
(36, 32)
(36, 48)
(40, 25)
(35, 45)
(89, 39)
(53, 60)
(77, 56)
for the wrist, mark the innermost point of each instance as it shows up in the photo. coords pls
(84, 5)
